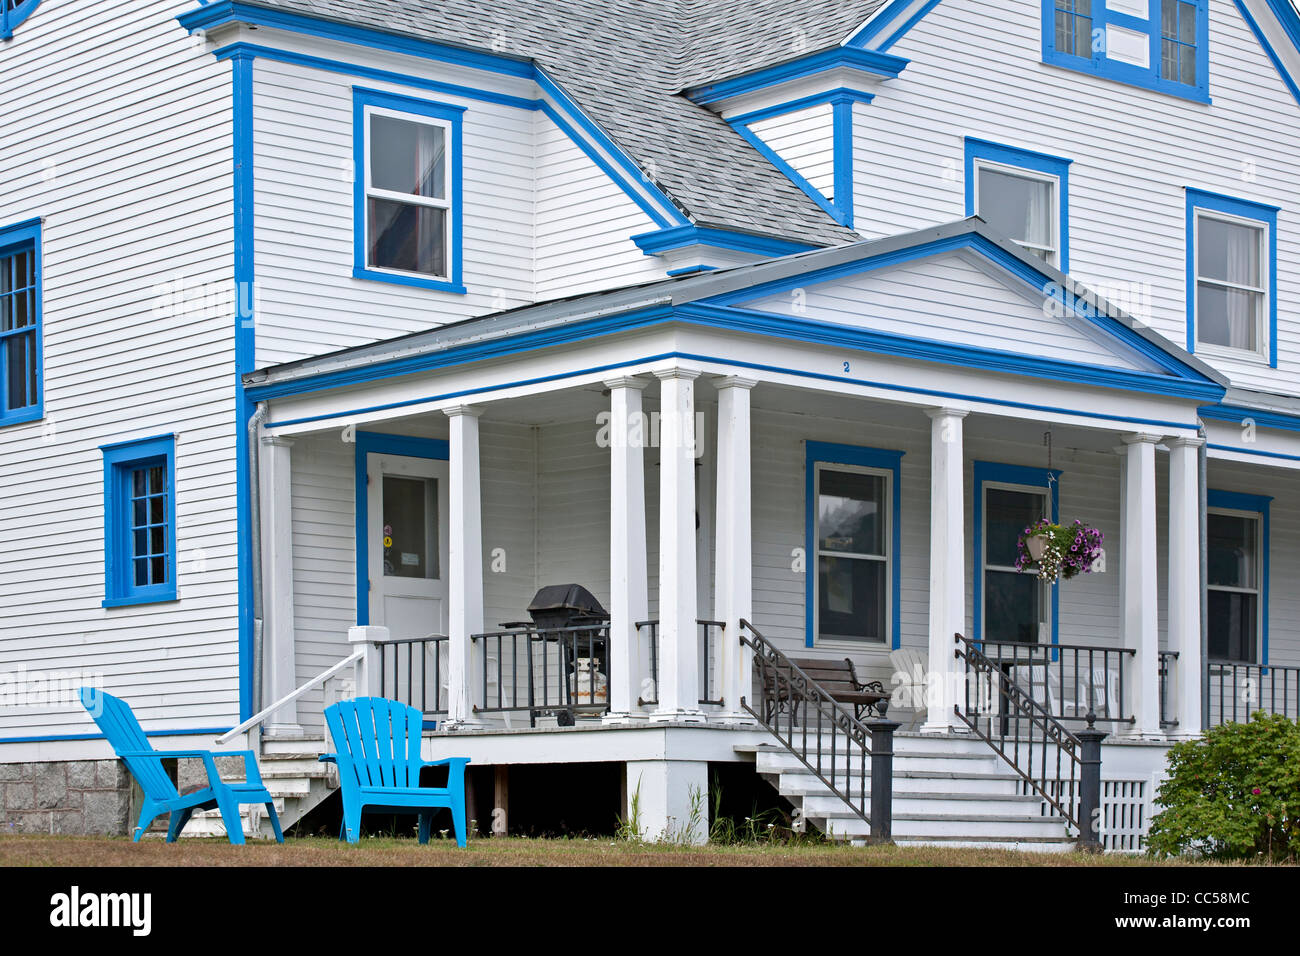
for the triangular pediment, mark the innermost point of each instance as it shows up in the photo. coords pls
(960, 298)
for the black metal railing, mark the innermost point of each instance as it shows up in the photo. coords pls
(1164, 672)
(825, 737)
(412, 670)
(1237, 690)
(1070, 681)
(560, 670)
(711, 633)
(1017, 723)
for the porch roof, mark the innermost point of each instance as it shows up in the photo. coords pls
(703, 298)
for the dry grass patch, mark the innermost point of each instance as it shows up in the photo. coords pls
(388, 852)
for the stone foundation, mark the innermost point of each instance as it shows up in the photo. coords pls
(72, 798)
(90, 797)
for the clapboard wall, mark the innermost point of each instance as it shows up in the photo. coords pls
(118, 135)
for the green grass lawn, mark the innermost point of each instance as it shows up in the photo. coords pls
(385, 851)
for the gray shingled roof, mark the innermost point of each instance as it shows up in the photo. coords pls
(625, 62)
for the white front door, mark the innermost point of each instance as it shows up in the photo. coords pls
(407, 526)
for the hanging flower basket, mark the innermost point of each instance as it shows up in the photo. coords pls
(1058, 551)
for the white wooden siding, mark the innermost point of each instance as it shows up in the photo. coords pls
(324, 543)
(806, 140)
(540, 219)
(113, 117)
(583, 222)
(949, 299)
(976, 71)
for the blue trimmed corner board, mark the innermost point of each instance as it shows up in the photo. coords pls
(124, 733)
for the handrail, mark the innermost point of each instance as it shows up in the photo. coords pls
(1060, 788)
(787, 690)
(320, 678)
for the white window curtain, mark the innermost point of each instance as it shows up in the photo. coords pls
(1243, 249)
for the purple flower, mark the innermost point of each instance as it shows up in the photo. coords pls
(1255, 791)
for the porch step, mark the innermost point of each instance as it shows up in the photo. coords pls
(296, 780)
(948, 791)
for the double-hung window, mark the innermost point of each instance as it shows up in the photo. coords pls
(139, 521)
(1232, 288)
(853, 558)
(1011, 605)
(1021, 194)
(1237, 581)
(1158, 44)
(20, 322)
(408, 190)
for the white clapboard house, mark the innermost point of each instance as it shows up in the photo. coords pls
(335, 331)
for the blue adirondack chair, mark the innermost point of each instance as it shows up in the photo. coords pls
(378, 755)
(123, 731)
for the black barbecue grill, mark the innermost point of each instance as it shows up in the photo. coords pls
(559, 613)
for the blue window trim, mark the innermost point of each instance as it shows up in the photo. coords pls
(1243, 209)
(1148, 78)
(380, 443)
(1028, 159)
(362, 98)
(842, 100)
(1240, 501)
(10, 20)
(14, 238)
(998, 473)
(119, 459)
(828, 453)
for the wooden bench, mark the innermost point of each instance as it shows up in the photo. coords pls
(839, 679)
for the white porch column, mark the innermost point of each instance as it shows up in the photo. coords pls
(1184, 681)
(947, 564)
(1141, 623)
(679, 682)
(464, 561)
(628, 598)
(733, 575)
(279, 675)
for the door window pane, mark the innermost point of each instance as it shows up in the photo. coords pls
(410, 531)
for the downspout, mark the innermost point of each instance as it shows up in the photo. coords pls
(1202, 463)
(255, 537)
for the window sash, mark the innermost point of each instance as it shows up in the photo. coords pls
(886, 559)
(1256, 592)
(410, 199)
(1053, 201)
(1266, 266)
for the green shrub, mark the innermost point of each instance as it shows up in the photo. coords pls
(1233, 794)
